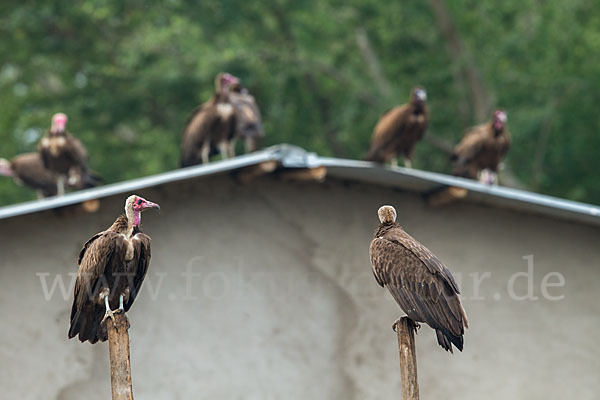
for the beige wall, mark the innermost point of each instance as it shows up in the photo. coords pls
(286, 307)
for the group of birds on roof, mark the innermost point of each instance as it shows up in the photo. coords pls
(113, 264)
(232, 114)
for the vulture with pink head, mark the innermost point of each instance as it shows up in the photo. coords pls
(480, 152)
(421, 285)
(65, 155)
(399, 129)
(112, 267)
(28, 169)
(211, 127)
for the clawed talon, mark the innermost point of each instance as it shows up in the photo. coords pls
(108, 314)
(416, 326)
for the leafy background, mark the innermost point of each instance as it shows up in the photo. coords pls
(128, 73)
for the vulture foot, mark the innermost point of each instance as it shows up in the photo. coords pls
(407, 162)
(415, 325)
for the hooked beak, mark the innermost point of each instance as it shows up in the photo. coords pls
(150, 204)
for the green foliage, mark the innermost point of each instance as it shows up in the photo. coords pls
(128, 73)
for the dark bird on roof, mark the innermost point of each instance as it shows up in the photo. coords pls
(423, 287)
(27, 169)
(481, 150)
(112, 267)
(65, 155)
(247, 116)
(399, 129)
(211, 127)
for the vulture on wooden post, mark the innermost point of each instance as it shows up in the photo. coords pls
(112, 267)
(481, 150)
(64, 154)
(399, 129)
(28, 169)
(423, 287)
(247, 116)
(211, 126)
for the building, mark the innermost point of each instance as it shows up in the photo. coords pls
(264, 290)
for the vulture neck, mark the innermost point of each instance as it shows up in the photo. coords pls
(134, 219)
(384, 227)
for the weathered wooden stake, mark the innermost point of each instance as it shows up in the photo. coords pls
(408, 358)
(118, 347)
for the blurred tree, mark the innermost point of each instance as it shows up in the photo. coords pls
(128, 73)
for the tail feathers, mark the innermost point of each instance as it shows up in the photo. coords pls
(88, 325)
(446, 340)
(91, 179)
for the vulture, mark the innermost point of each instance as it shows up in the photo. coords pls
(421, 285)
(112, 267)
(479, 153)
(64, 154)
(28, 169)
(247, 116)
(399, 129)
(211, 127)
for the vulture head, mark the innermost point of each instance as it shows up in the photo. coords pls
(387, 214)
(419, 96)
(499, 120)
(5, 167)
(59, 122)
(134, 205)
(224, 80)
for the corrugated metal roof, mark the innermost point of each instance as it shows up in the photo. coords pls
(294, 157)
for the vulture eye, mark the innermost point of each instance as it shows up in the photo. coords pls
(139, 201)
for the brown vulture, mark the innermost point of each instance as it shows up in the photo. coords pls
(65, 155)
(423, 287)
(112, 267)
(211, 127)
(479, 153)
(27, 169)
(399, 129)
(247, 116)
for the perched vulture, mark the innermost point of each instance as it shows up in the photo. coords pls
(479, 153)
(419, 282)
(27, 169)
(65, 155)
(247, 116)
(399, 129)
(211, 126)
(112, 267)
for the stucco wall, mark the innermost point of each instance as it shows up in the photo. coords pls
(285, 305)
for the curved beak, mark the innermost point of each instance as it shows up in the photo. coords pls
(149, 204)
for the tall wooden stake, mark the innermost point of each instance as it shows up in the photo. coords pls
(408, 358)
(118, 347)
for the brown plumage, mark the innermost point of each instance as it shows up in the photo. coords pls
(247, 115)
(419, 282)
(112, 267)
(399, 129)
(27, 169)
(211, 127)
(482, 148)
(65, 155)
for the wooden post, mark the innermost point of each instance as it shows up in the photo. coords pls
(408, 358)
(118, 347)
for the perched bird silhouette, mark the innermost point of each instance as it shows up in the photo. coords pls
(481, 150)
(112, 267)
(247, 117)
(399, 129)
(28, 169)
(423, 287)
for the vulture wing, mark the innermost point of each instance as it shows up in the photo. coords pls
(197, 131)
(422, 286)
(30, 170)
(77, 151)
(101, 255)
(138, 266)
(385, 132)
(247, 114)
(470, 145)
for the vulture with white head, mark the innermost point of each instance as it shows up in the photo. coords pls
(481, 150)
(65, 155)
(112, 267)
(211, 127)
(247, 115)
(399, 129)
(28, 169)
(421, 285)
